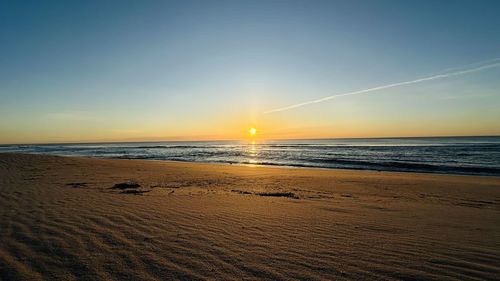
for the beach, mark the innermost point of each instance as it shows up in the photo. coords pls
(76, 218)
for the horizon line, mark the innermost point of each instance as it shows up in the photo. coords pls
(271, 139)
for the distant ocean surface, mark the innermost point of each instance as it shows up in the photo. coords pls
(453, 155)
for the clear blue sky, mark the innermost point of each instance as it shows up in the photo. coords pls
(130, 70)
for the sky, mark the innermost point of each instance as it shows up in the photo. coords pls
(84, 71)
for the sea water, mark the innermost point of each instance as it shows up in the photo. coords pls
(454, 155)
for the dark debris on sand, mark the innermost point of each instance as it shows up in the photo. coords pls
(130, 187)
(135, 192)
(126, 185)
(278, 194)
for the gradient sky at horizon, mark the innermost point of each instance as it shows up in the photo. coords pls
(165, 70)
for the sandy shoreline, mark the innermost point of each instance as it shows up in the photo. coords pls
(60, 218)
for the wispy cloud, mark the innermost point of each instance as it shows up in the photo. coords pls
(489, 64)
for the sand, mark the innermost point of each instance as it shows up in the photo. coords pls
(65, 218)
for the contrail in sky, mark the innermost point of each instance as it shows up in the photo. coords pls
(491, 64)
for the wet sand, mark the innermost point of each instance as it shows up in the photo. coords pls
(65, 218)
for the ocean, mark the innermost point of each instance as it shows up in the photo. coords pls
(450, 155)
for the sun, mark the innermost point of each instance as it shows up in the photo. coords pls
(252, 131)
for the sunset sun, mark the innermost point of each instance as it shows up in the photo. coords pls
(252, 131)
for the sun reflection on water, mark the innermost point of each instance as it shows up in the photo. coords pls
(253, 152)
